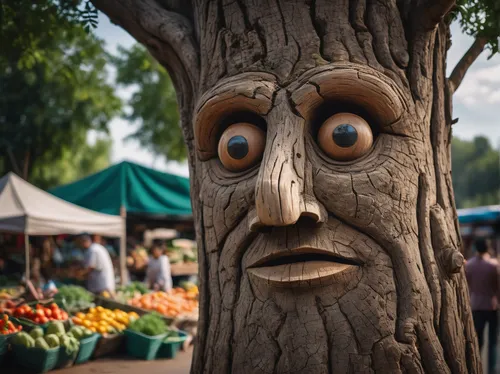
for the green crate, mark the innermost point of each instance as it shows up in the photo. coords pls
(142, 346)
(170, 347)
(65, 360)
(4, 345)
(36, 359)
(87, 347)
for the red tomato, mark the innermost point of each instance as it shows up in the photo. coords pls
(44, 320)
(54, 306)
(38, 307)
(56, 315)
(37, 320)
(40, 313)
(48, 312)
(64, 315)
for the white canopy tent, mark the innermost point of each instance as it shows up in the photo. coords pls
(27, 209)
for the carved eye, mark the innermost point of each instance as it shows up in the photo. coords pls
(241, 146)
(345, 137)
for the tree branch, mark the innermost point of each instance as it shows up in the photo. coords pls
(465, 63)
(169, 34)
(433, 12)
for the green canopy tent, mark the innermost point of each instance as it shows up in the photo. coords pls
(131, 189)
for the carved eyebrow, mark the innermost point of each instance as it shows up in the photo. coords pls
(359, 85)
(243, 95)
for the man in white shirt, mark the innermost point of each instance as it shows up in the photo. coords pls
(98, 266)
(158, 276)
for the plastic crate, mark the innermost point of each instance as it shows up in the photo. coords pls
(142, 346)
(36, 359)
(169, 349)
(87, 347)
(65, 360)
(4, 345)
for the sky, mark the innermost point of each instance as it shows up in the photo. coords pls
(475, 103)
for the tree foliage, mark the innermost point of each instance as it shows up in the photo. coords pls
(53, 90)
(480, 18)
(153, 104)
(73, 164)
(476, 172)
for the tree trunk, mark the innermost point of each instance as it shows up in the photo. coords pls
(310, 263)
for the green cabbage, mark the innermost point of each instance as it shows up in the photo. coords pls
(52, 340)
(41, 343)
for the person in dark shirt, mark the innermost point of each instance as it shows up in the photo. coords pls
(482, 277)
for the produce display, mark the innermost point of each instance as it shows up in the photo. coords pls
(55, 336)
(105, 321)
(10, 293)
(182, 250)
(176, 303)
(7, 327)
(40, 314)
(150, 324)
(74, 298)
(125, 293)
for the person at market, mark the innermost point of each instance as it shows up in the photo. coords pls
(98, 267)
(158, 275)
(482, 277)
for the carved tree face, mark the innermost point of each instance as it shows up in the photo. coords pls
(309, 196)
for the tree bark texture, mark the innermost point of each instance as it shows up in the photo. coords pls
(396, 300)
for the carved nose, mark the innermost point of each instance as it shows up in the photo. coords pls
(281, 194)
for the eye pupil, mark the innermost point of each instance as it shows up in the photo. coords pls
(345, 135)
(237, 147)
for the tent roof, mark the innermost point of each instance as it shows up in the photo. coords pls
(139, 189)
(479, 214)
(26, 208)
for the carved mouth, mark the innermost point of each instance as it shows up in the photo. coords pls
(301, 266)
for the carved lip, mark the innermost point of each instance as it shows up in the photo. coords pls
(301, 266)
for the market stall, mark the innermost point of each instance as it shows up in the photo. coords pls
(77, 326)
(27, 209)
(480, 222)
(141, 191)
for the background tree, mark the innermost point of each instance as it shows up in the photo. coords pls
(54, 87)
(476, 172)
(153, 104)
(73, 164)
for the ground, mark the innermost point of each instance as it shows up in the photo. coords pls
(126, 365)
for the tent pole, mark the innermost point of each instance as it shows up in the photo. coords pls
(123, 251)
(27, 256)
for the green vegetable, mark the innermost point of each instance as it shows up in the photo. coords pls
(60, 335)
(77, 332)
(70, 344)
(87, 332)
(70, 335)
(174, 339)
(24, 339)
(151, 324)
(55, 327)
(74, 298)
(52, 340)
(41, 343)
(36, 333)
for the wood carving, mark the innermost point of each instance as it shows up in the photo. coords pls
(319, 144)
